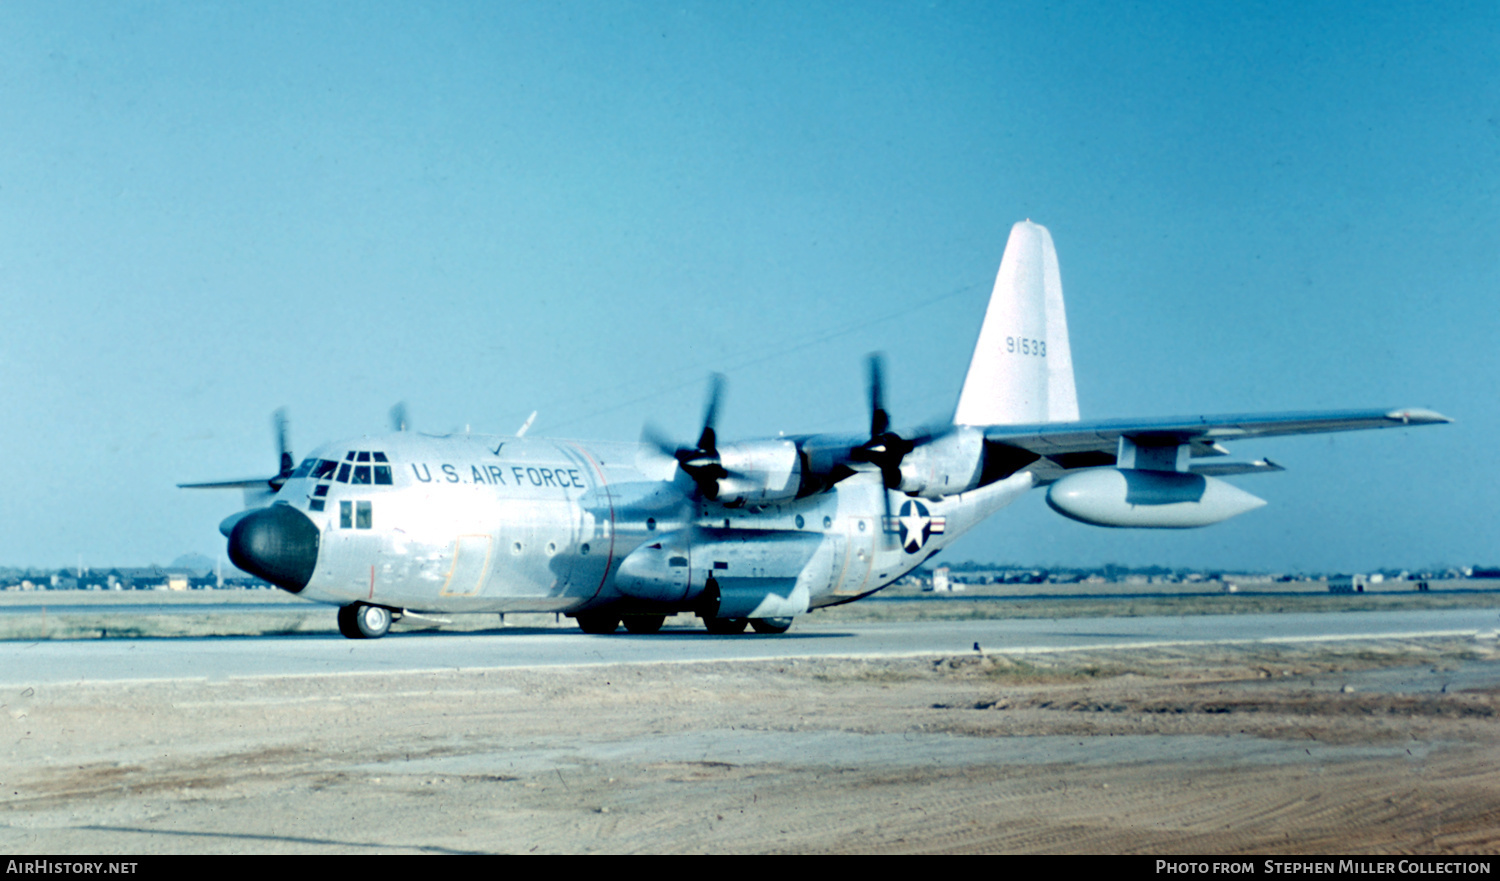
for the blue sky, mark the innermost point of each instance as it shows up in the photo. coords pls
(208, 211)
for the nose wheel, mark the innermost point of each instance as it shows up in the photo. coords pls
(362, 621)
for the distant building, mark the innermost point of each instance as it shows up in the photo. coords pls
(940, 582)
(1348, 583)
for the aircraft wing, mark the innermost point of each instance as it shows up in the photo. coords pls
(247, 483)
(1069, 445)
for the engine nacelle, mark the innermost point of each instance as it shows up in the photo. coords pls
(1130, 497)
(760, 472)
(945, 465)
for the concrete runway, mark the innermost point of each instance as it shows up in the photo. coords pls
(167, 659)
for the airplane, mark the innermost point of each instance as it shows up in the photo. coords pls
(752, 532)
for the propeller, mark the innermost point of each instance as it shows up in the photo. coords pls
(700, 462)
(258, 490)
(885, 449)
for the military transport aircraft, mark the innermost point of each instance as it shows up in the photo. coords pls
(753, 532)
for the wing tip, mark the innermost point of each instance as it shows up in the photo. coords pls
(1417, 416)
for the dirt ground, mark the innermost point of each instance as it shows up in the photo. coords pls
(1377, 748)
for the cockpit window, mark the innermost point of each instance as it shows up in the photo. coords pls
(304, 468)
(349, 472)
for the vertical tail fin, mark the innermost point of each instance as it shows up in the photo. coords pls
(1022, 370)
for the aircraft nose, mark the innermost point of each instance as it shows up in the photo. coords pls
(279, 544)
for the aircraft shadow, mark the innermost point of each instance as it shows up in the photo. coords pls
(292, 839)
(668, 633)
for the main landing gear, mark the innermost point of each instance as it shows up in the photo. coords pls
(363, 621)
(725, 626)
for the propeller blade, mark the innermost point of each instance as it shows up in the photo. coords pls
(399, 419)
(651, 435)
(708, 440)
(284, 448)
(880, 420)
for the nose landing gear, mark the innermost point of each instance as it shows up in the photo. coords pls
(363, 621)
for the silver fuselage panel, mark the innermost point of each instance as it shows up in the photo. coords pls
(471, 523)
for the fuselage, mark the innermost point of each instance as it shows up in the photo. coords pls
(472, 523)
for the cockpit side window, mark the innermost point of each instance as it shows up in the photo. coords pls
(356, 515)
(304, 469)
(325, 469)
